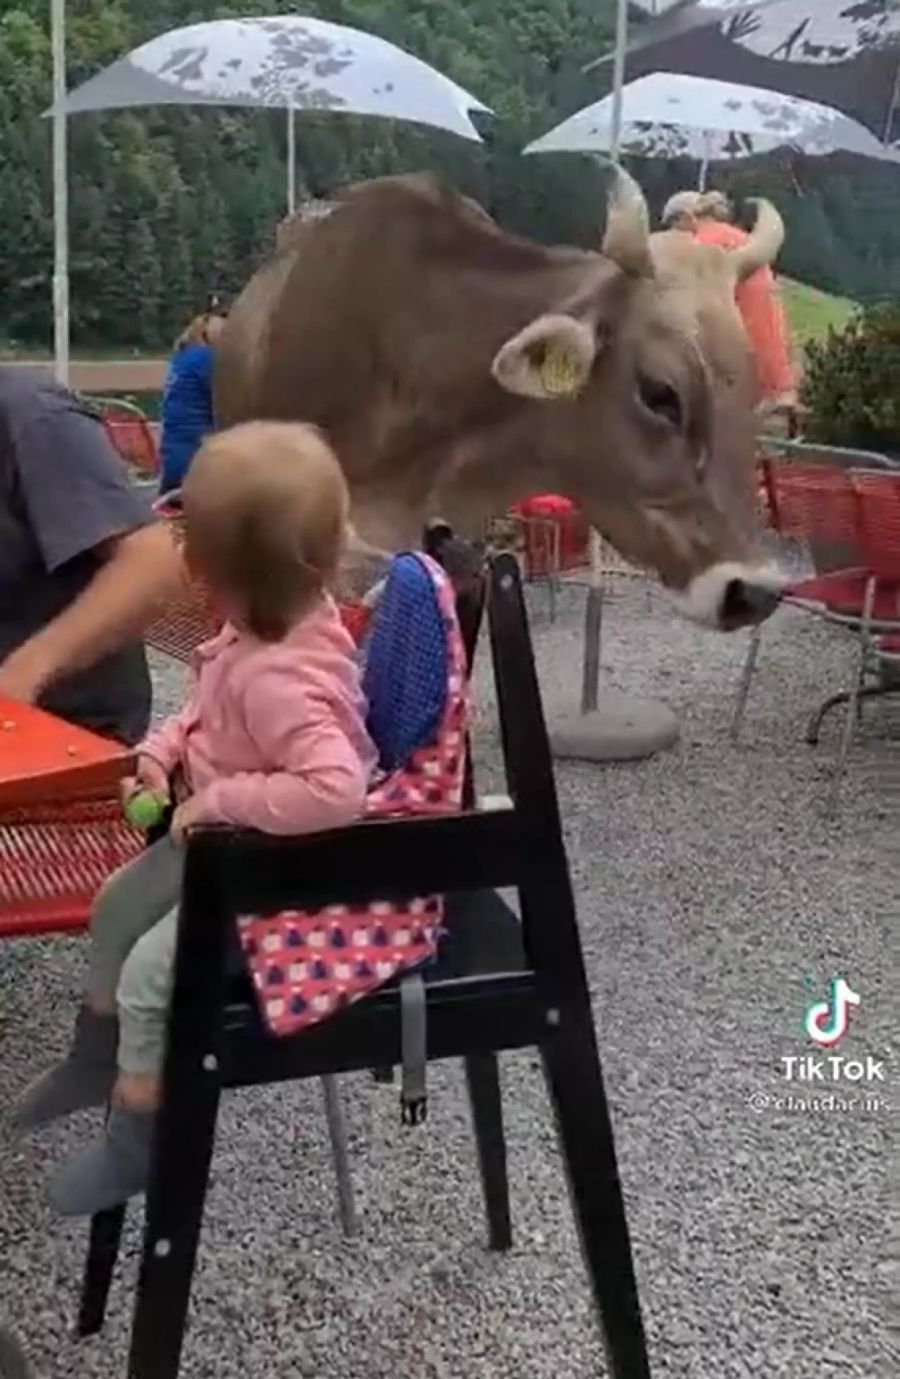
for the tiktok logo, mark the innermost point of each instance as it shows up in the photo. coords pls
(826, 1021)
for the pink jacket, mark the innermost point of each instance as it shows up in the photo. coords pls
(273, 736)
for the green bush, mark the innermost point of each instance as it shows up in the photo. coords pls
(851, 383)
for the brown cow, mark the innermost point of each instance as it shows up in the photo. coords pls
(456, 367)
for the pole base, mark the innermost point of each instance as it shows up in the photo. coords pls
(619, 729)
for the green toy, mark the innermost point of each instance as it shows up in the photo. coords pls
(144, 809)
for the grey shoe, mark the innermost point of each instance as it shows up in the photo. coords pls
(13, 1364)
(83, 1079)
(114, 1168)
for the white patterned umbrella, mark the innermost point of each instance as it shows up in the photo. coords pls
(297, 64)
(811, 31)
(669, 115)
(285, 61)
(845, 53)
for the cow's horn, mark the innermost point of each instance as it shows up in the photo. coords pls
(627, 238)
(764, 243)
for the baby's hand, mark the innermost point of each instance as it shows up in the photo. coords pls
(184, 819)
(152, 777)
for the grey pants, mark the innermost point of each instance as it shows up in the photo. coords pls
(134, 927)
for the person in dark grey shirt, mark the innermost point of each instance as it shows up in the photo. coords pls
(82, 568)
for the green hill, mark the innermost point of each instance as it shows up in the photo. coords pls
(812, 313)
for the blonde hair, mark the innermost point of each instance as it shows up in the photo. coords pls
(204, 329)
(710, 205)
(265, 518)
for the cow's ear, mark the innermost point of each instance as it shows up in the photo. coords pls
(551, 358)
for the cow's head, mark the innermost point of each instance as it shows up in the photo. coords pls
(645, 394)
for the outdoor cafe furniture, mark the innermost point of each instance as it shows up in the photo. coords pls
(855, 512)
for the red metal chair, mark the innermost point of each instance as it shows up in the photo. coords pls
(550, 537)
(54, 860)
(807, 501)
(878, 498)
(131, 433)
(61, 825)
(854, 512)
(556, 537)
(886, 660)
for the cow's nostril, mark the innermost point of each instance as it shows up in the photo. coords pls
(745, 603)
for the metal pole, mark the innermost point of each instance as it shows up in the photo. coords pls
(60, 194)
(619, 78)
(892, 108)
(291, 160)
(593, 614)
(704, 165)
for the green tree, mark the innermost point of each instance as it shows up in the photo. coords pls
(170, 204)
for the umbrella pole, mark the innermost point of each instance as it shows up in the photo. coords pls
(291, 160)
(590, 677)
(616, 728)
(704, 165)
(590, 680)
(60, 194)
(892, 107)
(619, 77)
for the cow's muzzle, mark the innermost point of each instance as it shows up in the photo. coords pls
(730, 596)
(745, 604)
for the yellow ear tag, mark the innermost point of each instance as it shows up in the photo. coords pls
(560, 373)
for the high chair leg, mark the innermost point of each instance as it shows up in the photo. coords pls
(483, 1079)
(340, 1150)
(575, 1082)
(174, 1216)
(103, 1251)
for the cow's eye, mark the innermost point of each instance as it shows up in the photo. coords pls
(661, 399)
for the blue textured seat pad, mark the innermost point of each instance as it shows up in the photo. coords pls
(407, 663)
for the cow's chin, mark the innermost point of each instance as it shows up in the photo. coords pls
(729, 596)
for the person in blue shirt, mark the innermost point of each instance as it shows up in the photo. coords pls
(187, 402)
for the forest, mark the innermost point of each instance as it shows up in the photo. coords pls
(171, 205)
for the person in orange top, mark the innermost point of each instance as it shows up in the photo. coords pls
(708, 216)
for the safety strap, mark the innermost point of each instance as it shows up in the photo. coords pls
(413, 1037)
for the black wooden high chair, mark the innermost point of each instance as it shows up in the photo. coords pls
(498, 984)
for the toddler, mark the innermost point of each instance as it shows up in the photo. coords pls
(273, 738)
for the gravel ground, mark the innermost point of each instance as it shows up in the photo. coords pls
(713, 900)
